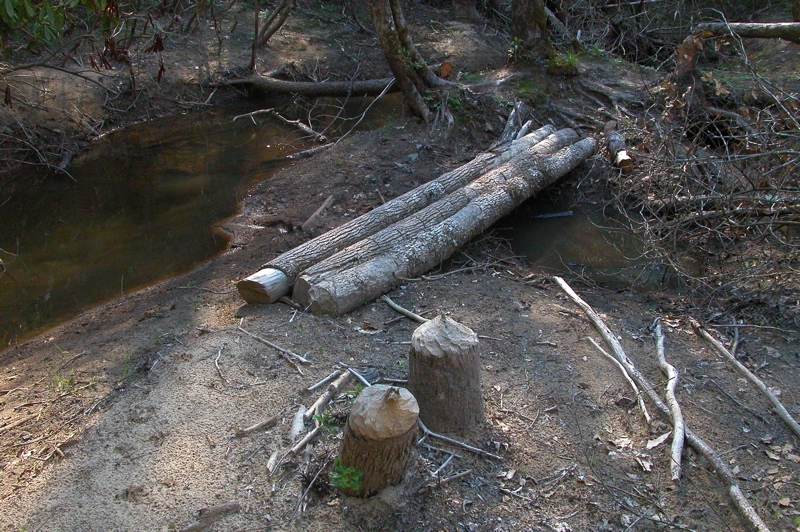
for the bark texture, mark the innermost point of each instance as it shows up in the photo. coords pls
(409, 68)
(372, 87)
(529, 25)
(276, 277)
(378, 437)
(444, 374)
(411, 248)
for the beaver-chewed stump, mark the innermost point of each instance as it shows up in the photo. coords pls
(378, 437)
(444, 374)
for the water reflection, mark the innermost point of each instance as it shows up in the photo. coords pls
(585, 241)
(140, 207)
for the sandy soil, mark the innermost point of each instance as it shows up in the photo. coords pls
(125, 418)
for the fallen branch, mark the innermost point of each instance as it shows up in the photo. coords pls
(371, 87)
(334, 388)
(285, 353)
(313, 217)
(779, 408)
(263, 425)
(619, 365)
(457, 443)
(306, 439)
(740, 502)
(405, 312)
(216, 365)
(678, 427)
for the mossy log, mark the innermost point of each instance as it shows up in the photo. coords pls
(378, 438)
(444, 374)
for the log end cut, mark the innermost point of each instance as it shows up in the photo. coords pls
(264, 286)
(382, 412)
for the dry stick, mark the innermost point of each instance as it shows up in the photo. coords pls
(740, 502)
(325, 205)
(266, 425)
(324, 381)
(302, 443)
(283, 352)
(779, 408)
(219, 370)
(405, 312)
(332, 390)
(619, 365)
(678, 427)
(463, 445)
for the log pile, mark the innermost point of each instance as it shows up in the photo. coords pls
(366, 257)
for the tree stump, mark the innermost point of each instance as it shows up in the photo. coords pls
(378, 438)
(444, 375)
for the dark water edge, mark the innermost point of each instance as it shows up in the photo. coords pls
(139, 207)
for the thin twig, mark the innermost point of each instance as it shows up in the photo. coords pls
(219, 370)
(405, 312)
(285, 353)
(616, 362)
(779, 408)
(463, 445)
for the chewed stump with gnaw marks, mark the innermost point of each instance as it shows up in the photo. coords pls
(378, 438)
(444, 374)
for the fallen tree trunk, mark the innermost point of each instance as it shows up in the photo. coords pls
(789, 31)
(275, 279)
(315, 89)
(408, 249)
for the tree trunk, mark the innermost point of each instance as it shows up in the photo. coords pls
(409, 68)
(413, 248)
(371, 87)
(789, 31)
(529, 25)
(794, 6)
(378, 438)
(276, 277)
(444, 374)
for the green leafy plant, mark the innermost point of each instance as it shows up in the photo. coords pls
(64, 384)
(516, 51)
(328, 422)
(346, 478)
(352, 394)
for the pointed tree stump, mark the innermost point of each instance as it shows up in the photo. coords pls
(378, 437)
(444, 374)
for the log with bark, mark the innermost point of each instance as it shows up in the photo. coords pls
(378, 438)
(276, 278)
(412, 246)
(314, 89)
(444, 374)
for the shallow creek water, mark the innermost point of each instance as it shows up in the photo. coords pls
(142, 205)
(139, 207)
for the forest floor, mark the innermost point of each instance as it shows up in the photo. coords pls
(126, 417)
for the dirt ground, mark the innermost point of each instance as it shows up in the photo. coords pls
(125, 418)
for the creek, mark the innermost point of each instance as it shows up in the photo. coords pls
(143, 205)
(140, 206)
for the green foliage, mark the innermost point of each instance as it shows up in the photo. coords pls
(569, 59)
(329, 422)
(44, 20)
(516, 51)
(352, 394)
(64, 384)
(346, 478)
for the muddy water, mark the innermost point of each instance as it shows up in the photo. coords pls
(584, 241)
(141, 206)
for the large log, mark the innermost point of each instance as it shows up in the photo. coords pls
(789, 31)
(378, 438)
(444, 374)
(276, 278)
(372, 87)
(411, 248)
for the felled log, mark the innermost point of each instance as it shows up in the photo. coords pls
(444, 374)
(618, 148)
(378, 438)
(313, 89)
(276, 278)
(686, 53)
(418, 243)
(789, 31)
(404, 229)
